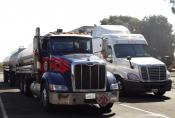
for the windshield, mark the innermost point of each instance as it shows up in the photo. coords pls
(71, 44)
(133, 50)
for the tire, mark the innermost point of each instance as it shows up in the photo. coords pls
(12, 79)
(21, 85)
(45, 98)
(159, 92)
(107, 107)
(5, 77)
(26, 87)
(120, 84)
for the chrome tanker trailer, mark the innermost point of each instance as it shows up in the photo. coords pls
(9, 66)
(61, 69)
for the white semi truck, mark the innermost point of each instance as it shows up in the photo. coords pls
(128, 58)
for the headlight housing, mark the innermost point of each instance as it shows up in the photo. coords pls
(114, 86)
(132, 76)
(54, 87)
(168, 75)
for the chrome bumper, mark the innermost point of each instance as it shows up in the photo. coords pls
(81, 98)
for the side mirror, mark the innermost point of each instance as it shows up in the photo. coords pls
(129, 59)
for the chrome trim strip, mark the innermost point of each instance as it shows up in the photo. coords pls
(148, 73)
(72, 77)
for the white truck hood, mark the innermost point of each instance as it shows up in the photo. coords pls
(146, 61)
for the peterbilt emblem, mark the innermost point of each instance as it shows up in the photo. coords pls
(90, 64)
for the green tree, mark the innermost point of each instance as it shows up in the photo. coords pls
(172, 2)
(1, 67)
(158, 33)
(133, 24)
(156, 29)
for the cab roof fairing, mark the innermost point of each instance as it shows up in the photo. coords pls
(99, 30)
(125, 39)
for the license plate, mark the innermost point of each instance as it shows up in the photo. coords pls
(90, 96)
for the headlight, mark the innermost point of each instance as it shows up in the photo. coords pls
(132, 76)
(54, 87)
(114, 86)
(168, 75)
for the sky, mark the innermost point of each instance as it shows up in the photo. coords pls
(19, 18)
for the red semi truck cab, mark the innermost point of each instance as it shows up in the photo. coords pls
(61, 69)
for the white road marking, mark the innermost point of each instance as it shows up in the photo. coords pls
(155, 114)
(4, 113)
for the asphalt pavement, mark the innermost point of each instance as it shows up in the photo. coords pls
(16, 105)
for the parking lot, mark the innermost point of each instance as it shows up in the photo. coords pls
(15, 105)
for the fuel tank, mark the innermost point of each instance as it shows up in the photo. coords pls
(25, 57)
(12, 59)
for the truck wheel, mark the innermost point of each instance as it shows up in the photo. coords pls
(21, 86)
(26, 87)
(12, 79)
(107, 107)
(5, 77)
(45, 98)
(159, 92)
(120, 84)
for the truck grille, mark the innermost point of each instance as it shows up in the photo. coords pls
(153, 72)
(90, 76)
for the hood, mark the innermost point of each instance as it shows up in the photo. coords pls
(146, 61)
(82, 57)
